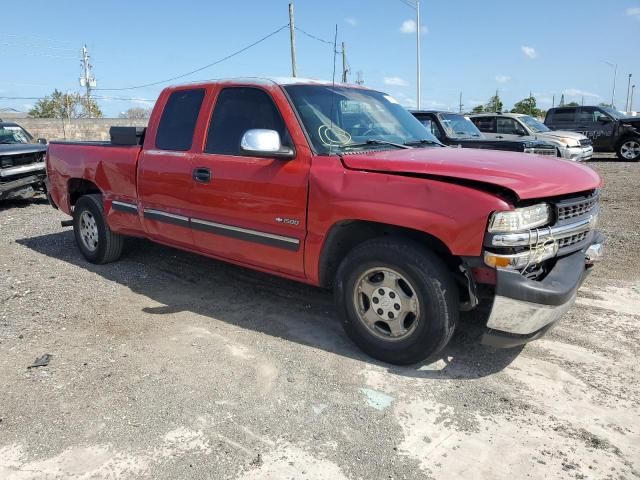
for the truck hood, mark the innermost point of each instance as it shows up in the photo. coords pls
(561, 135)
(21, 148)
(528, 176)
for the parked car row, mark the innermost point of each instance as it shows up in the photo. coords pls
(340, 187)
(22, 169)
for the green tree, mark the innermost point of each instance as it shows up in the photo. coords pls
(494, 104)
(65, 105)
(572, 104)
(527, 106)
(478, 109)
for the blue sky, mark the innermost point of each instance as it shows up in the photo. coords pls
(469, 46)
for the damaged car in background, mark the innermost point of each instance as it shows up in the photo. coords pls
(22, 169)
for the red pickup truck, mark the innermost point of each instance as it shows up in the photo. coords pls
(339, 186)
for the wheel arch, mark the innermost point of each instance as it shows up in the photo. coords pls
(77, 187)
(347, 234)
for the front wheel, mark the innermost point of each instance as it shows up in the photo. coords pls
(398, 302)
(629, 149)
(93, 236)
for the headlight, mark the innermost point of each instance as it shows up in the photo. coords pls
(520, 219)
(521, 260)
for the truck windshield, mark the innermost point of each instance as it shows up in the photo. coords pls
(457, 126)
(534, 125)
(343, 118)
(11, 134)
(613, 112)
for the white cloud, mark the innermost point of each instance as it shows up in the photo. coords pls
(575, 92)
(410, 26)
(529, 51)
(502, 78)
(395, 81)
(634, 12)
(351, 21)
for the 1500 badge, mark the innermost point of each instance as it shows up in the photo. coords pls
(288, 221)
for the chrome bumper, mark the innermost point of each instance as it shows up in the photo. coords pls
(524, 309)
(32, 167)
(577, 154)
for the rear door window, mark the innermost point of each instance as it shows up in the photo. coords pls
(508, 126)
(563, 116)
(485, 124)
(178, 122)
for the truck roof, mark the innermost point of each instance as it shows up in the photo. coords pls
(262, 81)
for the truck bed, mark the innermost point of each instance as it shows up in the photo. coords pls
(112, 168)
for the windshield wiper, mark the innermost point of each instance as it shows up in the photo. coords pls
(373, 141)
(415, 143)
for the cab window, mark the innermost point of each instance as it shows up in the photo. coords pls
(237, 110)
(432, 127)
(563, 115)
(178, 122)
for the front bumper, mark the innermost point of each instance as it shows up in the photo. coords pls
(577, 154)
(524, 309)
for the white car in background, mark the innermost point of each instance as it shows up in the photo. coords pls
(570, 145)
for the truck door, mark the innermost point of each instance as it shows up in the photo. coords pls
(596, 125)
(165, 177)
(250, 209)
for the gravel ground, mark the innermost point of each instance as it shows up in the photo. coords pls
(169, 365)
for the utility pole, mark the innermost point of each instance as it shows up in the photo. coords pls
(345, 68)
(613, 91)
(359, 78)
(292, 35)
(553, 101)
(633, 87)
(626, 104)
(460, 104)
(582, 104)
(87, 80)
(418, 50)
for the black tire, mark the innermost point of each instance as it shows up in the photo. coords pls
(625, 143)
(107, 245)
(434, 288)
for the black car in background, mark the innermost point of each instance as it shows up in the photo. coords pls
(455, 130)
(22, 168)
(609, 129)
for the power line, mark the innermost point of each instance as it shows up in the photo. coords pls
(237, 52)
(313, 36)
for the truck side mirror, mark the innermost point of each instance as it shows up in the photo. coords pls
(42, 141)
(261, 142)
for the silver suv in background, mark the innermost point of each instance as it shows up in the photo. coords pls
(571, 145)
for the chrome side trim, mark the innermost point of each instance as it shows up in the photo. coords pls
(534, 236)
(165, 214)
(246, 234)
(124, 206)
(32, 167)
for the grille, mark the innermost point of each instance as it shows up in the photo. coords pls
(18, 160)
(572, 240)
(545, 151)
(576, 209)
(585, 142)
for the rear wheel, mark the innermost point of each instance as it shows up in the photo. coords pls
(398, 302)
(629, 149)
(93, 236)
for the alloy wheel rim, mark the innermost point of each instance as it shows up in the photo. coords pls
(89, 231)
(386, 303)
(630, 150)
